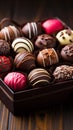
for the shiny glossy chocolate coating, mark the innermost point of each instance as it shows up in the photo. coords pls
(24, 61)
(67, 53)
(47, 57)
(45, 41)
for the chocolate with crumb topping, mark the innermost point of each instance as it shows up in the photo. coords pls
(4, 47)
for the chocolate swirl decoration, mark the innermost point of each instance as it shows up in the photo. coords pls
(9, 32)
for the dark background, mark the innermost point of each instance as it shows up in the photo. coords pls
(25, 10)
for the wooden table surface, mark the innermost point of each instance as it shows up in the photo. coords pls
(56, 117)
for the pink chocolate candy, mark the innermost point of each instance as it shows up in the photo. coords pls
(15, 80)
(51, 26)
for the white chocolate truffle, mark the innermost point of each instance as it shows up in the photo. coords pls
(65, 36)
(20, 44)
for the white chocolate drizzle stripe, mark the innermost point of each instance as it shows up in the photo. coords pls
(43, 59)
(29, 30)
(21, 45)
(25, 41)
(36, 29)
(15, 30)
(4, 32)
(50, 60)
(32, 73)
(55, 54)
(40, 76)
(46, 81)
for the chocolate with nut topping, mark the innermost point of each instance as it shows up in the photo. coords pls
(63, 72)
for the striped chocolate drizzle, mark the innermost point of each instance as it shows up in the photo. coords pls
(38, 76)
(28, 44)
(7, 32)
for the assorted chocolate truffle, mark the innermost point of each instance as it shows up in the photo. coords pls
(32, 46)
(52, 26)
(63, 72)
(47, 57)
(39, 77)
(45, 41)
(25, 61)
(16, 81)
(20, 44)
(4, 47)
(65, 37)
(67, 53)
(9, 33)
(32, 29)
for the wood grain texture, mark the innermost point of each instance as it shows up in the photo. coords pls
(57, 117)
(4, 115)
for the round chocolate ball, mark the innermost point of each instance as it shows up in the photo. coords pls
(45, 41)
(53, 25)
(63, 72)
(4, 47)
(65, 37)
(9, 33)
(21, 44)
(39, 77)
(32, 29)
(47, 57)
(67, 53)
(16, 81)
(25, 61)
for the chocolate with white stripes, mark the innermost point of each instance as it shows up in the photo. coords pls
(47, 57)
(21, 43)
(32, 29)
(9, 33)
(24, 61)
(39, 77)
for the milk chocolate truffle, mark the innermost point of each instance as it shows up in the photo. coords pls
(24, 61)
(4, 47)
(16, 81)
(63, 72)
(20, 44)
(65, 37)
(67, 53)
(53, 25)
(6, 65)
(45, 41)
(39, 77)
(9, 33)
(47, 57)
(32, 29)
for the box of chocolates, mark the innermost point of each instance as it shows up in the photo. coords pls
(36, 64)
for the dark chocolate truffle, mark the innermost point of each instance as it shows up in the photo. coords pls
(45, 41)
(24, 61)
(39, 77)
(63, 72)
(32, 29)
(4, 47)
(47, 57)
(67, 53)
